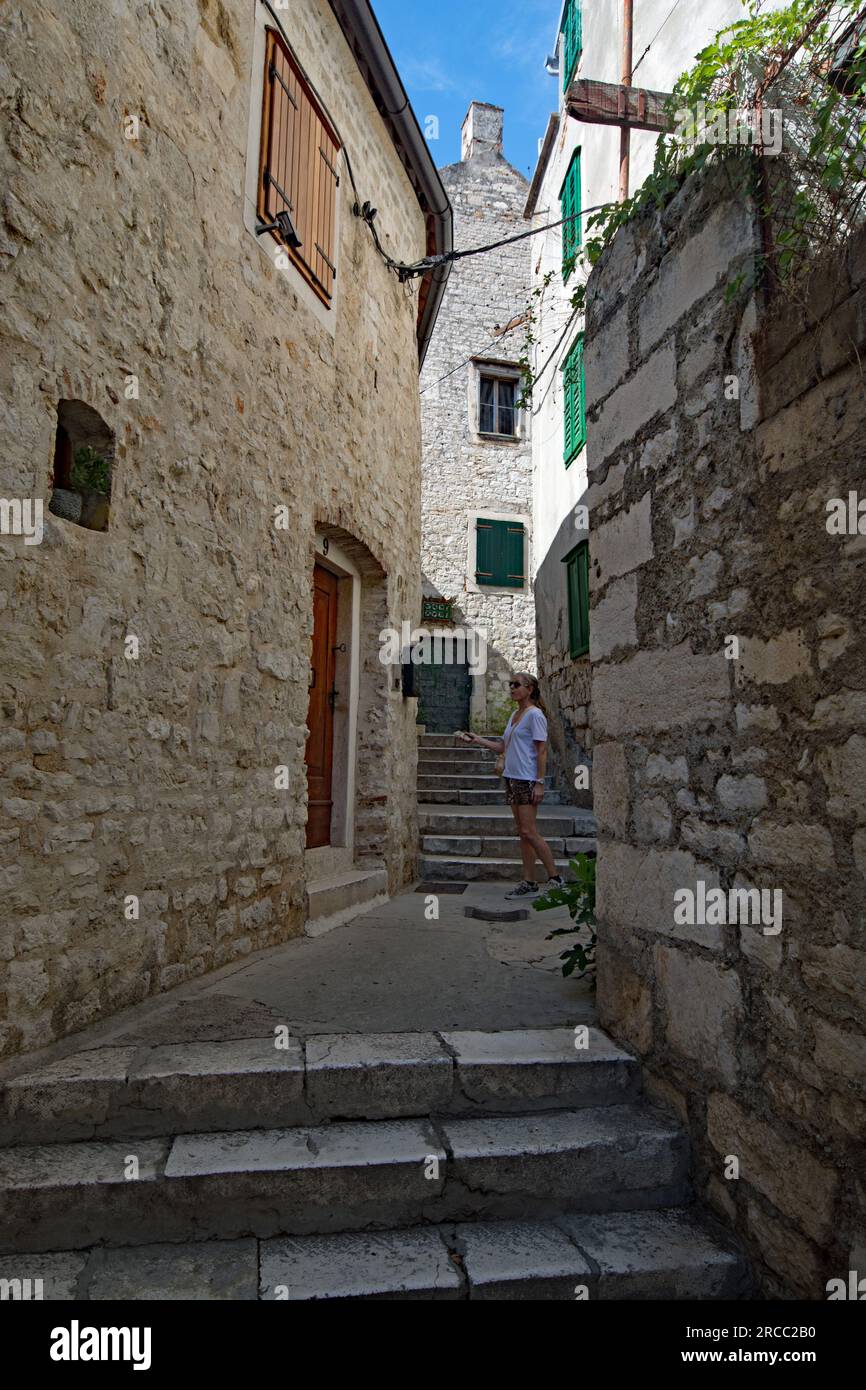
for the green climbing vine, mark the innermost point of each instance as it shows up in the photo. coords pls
(783, 57)
(805, 63)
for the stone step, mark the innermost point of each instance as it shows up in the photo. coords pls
(504, 847)
(341, 896)
(436, 868)
(663, 1255)
(448, 797)
(339, 1177)
(142, 1092)
(463, 767)
(426, 741)
(462, 753)
(450, 781)
(456, 820)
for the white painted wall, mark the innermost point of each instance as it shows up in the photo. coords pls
(556, 490)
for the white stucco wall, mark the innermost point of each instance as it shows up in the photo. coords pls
(556, 490)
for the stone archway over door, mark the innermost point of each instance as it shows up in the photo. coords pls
(319, 754)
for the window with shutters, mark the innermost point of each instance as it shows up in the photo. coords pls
(574, 403)
(577, 582)
(298, 168)
(572, 41)
(569, 202)
(499, 553)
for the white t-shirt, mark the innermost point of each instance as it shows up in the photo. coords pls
(521, 755)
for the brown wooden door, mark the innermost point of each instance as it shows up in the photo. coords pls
(320, 716)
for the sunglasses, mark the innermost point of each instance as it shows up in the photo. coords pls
(515, 685)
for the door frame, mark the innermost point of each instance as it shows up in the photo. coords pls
(329, 555)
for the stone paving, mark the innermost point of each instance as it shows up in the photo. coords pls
(389, 971)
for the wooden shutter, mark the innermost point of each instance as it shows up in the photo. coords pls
(574, 403)
(577, 571)
(298, 167)
(570, 203)
(500, 554)
(572, 41)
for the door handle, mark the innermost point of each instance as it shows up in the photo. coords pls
(313, 681)
(332, 698)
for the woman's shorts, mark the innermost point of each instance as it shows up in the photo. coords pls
(518, 793)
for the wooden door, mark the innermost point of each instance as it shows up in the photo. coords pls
(320, 716)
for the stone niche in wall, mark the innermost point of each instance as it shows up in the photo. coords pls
(728, 713)
(82, 468)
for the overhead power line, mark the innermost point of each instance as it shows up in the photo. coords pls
(652, 40)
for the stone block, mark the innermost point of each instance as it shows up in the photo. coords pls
(547, 1157)
(521, 1260)
(525, 1068)
(839, 1053)
(742, 793)
(662, 769)
(798, 1185)
(657, 1255)
(703, 1010)
(624, 1000)
(843, 769)
(193, 1272)
(836, 970)
(60, 1275)
(613, 619)
(652, 819)
(606, 357)
(651, 391)
(659, 689)
(691, 271)
(610, 788)
(619, 546)
(798, 847)
(774, 662)
(636, 890)
(377, 1075)
(786, 1252)
(716, 842)
(369, 1264)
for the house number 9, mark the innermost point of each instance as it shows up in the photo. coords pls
(325, 545)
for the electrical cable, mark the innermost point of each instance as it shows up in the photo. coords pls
(652, 41)
(367, 213)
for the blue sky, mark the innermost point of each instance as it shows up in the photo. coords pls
(451, 52)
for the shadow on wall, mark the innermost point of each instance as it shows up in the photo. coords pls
(565, 680)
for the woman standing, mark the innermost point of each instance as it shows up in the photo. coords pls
(524, 744)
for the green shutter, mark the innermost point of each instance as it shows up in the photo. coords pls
(574, 402)
(572, 41)
(577, 572)
(499, 554)
(570, 204)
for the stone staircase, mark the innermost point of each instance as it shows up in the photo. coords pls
(457, 1165)
(467, 831)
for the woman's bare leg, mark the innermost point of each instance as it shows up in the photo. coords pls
(527, 851)
(531, 843)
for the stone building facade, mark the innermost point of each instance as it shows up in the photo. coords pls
(592, 154)
(729, 705)
(477, 447)
(155, 675)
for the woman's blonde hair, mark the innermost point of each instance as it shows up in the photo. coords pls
(534, 689)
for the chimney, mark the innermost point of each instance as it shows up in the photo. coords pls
(482, 130)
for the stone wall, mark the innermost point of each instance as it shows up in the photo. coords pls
(464, 473)
(720, 428)
(154, 777)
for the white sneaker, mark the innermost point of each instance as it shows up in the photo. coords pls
(524, 890)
